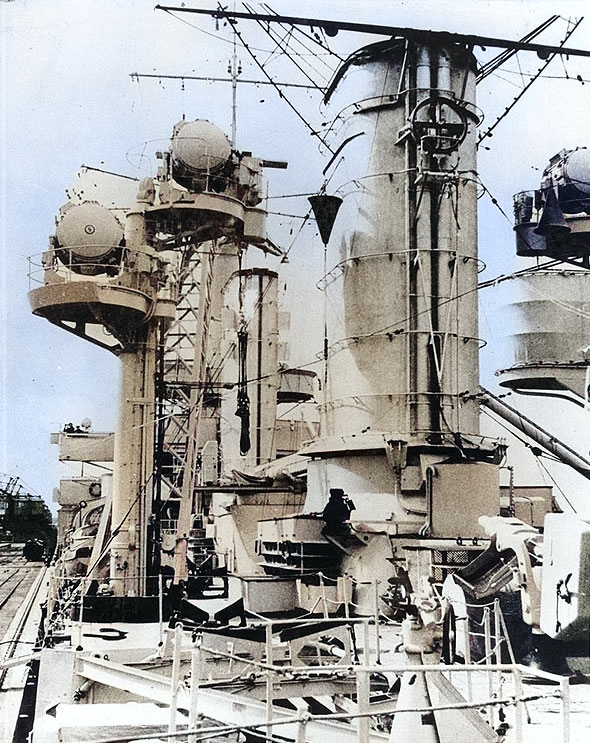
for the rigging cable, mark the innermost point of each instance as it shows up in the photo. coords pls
(312, 37)
(509, 108)
(312, 131)
(201, 30)
(555, 483)
(489, 67)
(399, 324)
(535, 451)
(577, 78)
(280, 45)
(208, 79)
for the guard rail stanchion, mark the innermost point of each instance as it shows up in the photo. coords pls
(564, 693)
(175, 681)
(362, 695)
(347, 595)
(269, 680)
(366, 643)
(488, 658)
(377, 638)
(302, 727)
(323, 593)
(519, 709)
(160, 607)
(80, 615)
(194, 689)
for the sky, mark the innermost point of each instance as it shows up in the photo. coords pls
(68, 99)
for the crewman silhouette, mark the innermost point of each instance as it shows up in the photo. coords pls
(337, 512)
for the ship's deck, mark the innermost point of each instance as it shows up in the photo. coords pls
(21, 592)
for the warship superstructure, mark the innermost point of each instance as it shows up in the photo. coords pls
(353, 569)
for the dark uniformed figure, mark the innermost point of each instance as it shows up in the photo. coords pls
(337, 512)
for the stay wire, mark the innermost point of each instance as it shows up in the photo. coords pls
(539, 456)
(567, 76)
(201, 30)
(556, 484)
(541, 69)
(279, 91)
(291, 37)
(322, 44)
(280, 45)
(399, 324)
(489, 67)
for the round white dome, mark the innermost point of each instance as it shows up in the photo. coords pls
(200, 145)
(577, 169)
(89, 230)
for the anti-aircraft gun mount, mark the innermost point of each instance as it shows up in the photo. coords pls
(547, 305)
(554, 220)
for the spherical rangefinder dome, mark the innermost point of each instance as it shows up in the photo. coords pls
(577, 169)
(200, 146)
(89, 230)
